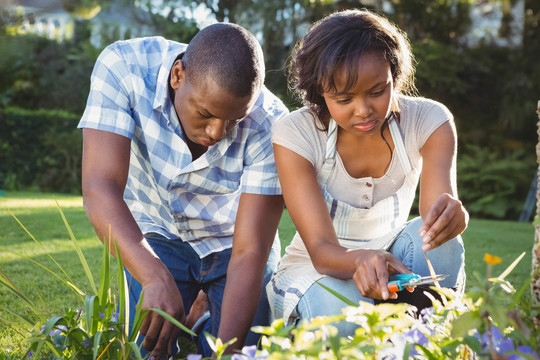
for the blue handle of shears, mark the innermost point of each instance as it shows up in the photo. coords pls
(399, 280)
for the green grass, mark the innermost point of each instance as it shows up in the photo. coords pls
(39, 214)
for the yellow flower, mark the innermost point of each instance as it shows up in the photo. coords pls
(492, 259)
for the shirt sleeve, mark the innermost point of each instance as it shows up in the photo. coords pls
(298, 132)
(260, 174)
(429, 116)
(108, 105)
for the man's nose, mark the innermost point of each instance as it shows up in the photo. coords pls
(216, 129)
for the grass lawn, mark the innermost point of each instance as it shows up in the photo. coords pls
(39, 213)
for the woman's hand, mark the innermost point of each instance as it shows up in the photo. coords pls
(445, 220)
(373, 268)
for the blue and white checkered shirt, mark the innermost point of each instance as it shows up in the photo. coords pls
(166, 191)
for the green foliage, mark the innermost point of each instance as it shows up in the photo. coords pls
(439, 20)
(38, 73)
(40, 148)
(40, 214)
(98, 329)
(493, 183)
(454, 328)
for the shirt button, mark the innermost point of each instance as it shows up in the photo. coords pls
(366, 198)
(369, 184)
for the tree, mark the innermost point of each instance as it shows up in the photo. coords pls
(535, 283)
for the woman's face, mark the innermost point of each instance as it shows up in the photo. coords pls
(363, 109)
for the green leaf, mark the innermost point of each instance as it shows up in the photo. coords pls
(19, 315)
(5, 280)
(91, 309)
(173, 320)
(97, 340)
(79, 251)
(338, 295)
(104, 283)
(525, 287)
(136, 350)
(465, 322)
(69, 284)
(123, 309)
(41, 246)
(51, 323)
(473, 343)
(138, 319)
(511, 267)
(428, 353)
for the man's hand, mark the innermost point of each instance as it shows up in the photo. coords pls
(373, 268)
(159, 333)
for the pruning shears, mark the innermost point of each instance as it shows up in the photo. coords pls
(398, 282)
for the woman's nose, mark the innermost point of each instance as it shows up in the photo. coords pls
(362, 108)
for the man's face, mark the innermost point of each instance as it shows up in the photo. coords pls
(206, 111)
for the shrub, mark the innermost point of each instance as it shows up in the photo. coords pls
(40, 149)
(493, 183)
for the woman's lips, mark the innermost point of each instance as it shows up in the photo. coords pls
(366, 125)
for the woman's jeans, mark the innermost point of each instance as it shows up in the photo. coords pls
(446, 259)
(209, 274)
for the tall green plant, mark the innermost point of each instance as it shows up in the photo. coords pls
(99, 329)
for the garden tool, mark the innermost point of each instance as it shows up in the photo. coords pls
(398, 282)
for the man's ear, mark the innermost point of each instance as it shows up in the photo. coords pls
(178, 74)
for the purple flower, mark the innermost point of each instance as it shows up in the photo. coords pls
(524, 350)
(58, 330)
(501, 344)
(415, 336)
(85, 343)
(30, 353)
(251, 353)
(426, 313)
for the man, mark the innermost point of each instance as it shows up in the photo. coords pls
(177, 162)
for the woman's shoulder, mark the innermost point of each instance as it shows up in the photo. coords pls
(419, 108)
(298, 132)
(298, 120)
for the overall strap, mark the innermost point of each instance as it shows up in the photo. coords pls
(330, 155)
(399, 145)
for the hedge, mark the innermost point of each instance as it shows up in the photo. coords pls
(40, 149)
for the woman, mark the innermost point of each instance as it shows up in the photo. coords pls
(349, 164)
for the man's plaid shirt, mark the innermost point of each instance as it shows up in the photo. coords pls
(166, 191)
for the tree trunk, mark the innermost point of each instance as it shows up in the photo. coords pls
(535, 283)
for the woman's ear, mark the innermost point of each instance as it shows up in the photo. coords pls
(178, 74)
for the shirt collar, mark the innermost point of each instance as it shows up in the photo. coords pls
(161, 97)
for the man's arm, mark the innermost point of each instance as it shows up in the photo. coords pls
(105, 167)
(256, 224)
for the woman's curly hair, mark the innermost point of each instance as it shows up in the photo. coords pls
(337, 42)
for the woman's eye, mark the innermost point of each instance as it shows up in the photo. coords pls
(343, 101)
(377, 93)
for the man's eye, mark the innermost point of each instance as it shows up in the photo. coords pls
(203, 115)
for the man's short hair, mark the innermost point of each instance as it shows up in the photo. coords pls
(228, 54)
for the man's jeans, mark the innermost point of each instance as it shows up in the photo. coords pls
(446, 259)
(209, 274)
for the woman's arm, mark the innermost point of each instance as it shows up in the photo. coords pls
(310, 215)
(443, 214)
